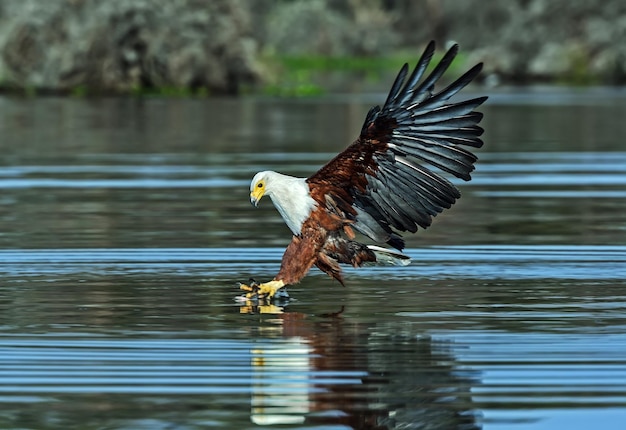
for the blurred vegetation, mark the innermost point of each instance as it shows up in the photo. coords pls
(315, 74)
(197, 48)
(302, 75)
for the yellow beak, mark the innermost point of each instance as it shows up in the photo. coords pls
(255, 196)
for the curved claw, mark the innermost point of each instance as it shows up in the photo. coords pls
(251, 288)
(266, 290)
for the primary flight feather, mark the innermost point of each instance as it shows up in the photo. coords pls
(383, 183)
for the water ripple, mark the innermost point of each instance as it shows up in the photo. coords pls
(482, 262)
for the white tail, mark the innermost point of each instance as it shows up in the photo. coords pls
(389, 256)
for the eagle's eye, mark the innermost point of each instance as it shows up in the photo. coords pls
(259, 185)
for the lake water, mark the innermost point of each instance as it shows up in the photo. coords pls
(125, 225)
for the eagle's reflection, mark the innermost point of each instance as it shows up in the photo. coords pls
(329, 371)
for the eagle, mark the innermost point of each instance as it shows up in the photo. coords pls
(391, 179)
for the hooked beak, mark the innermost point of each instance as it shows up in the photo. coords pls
(255, 197)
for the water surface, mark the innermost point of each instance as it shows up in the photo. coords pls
(125, 226)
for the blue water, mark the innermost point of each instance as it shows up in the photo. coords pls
(125, 226)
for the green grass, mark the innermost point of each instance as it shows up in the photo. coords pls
(173, 92)
(81, 91)
(579, 73)
(293, 83)
(299, 76)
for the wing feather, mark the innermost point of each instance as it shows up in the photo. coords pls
(397, 85)
(410, 194)
(425, 89)
(442, 96)
(409, 89)
(392, 178)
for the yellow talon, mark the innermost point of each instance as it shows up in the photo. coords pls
(266, 290)
(245, 287)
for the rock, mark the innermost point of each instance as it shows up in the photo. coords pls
(315, 27)
(127, 45)
(576, 41)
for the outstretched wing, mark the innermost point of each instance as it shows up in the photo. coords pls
(391, 179)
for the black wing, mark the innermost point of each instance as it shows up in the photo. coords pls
(393, 187)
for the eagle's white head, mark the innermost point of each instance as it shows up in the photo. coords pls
(289, 194)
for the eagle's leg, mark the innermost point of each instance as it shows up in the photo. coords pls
(298, 258)
(265, 290)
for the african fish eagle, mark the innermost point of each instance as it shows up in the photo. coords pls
(381, 184)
